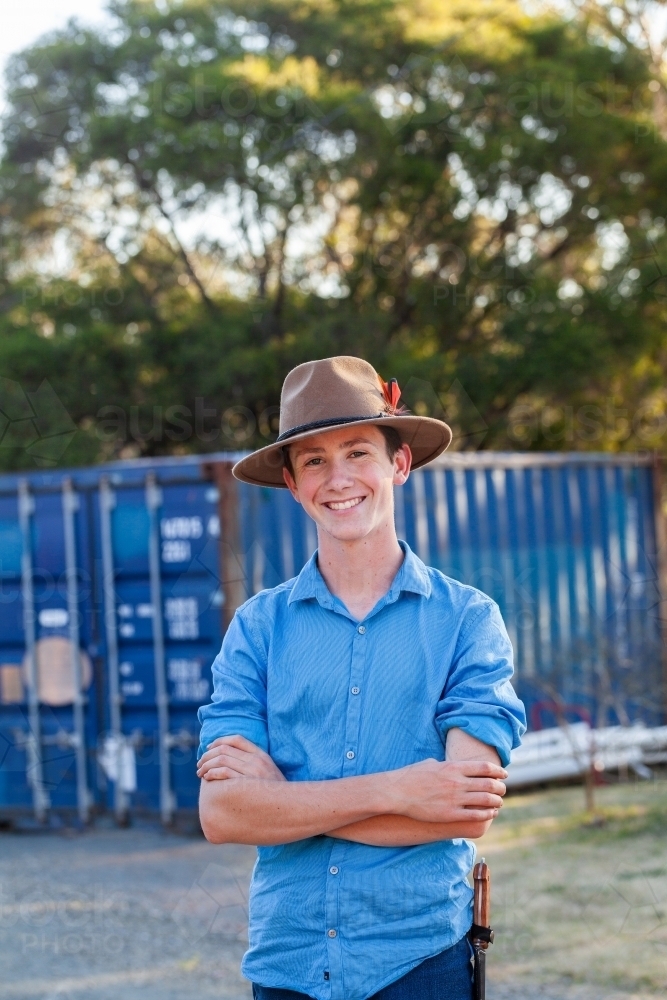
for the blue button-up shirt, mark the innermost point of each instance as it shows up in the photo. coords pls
(328, 696)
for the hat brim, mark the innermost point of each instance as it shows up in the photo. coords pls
(426, 436)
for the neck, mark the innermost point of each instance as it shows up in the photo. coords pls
(360, 572)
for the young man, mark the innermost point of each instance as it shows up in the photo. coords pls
(361, 719)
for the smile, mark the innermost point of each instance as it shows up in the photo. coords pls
(344, 504)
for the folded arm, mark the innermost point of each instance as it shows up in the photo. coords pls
(245, 798)
(402, 831)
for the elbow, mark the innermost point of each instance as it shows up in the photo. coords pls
(477, 830)
(212, 833)
(211, 828)
(211, 817)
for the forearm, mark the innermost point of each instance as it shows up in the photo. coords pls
(390, 830)
(403, 831)
(264, 812)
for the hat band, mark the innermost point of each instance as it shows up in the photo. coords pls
(316, 424)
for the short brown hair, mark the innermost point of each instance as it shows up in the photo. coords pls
(392, 440)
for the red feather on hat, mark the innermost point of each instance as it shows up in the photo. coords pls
(392, 394)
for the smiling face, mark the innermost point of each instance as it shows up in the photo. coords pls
(344, 479)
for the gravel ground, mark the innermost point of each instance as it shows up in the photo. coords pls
(137, 913)
(146, 913)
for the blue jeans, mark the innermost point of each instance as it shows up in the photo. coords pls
(447, 976)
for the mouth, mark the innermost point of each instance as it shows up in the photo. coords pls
(344, 504)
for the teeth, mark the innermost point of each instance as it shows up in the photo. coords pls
(344, 504)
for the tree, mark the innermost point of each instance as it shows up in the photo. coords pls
(467, 196)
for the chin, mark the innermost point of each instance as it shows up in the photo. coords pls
(346, 533)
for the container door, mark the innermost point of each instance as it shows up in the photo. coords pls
(47, 708)
(163, 597)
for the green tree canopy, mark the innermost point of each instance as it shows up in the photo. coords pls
(470, 197)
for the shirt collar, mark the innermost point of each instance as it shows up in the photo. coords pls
(310, 583)
(412, 576)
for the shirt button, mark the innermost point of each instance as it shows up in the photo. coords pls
(361, 629)
(331, 933)
(350, 754)
(333, 870)
(355, 690)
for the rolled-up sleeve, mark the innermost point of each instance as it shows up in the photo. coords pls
(238, 703)
(478, 696)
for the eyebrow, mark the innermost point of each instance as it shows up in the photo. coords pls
(344, 444)
(357, 440)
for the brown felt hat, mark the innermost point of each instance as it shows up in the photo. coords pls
(334, 392)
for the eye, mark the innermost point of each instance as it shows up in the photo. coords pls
(312, 460)
(355, 453)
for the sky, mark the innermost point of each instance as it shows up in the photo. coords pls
(23, 21)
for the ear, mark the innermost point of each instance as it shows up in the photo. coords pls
(402, 463)
(291, 484)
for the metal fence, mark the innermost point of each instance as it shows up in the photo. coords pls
(118, 582)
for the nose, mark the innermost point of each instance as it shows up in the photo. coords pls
(340, 477)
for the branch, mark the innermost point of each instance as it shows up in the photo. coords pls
(184, 257)
(143, 185)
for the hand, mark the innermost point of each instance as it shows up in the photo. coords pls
(236, 757)
(448, 791)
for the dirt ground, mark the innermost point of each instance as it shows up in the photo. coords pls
(580, 911)
(579, 907)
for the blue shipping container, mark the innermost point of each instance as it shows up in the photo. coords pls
(118, 582)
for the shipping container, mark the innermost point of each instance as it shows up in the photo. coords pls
(49, 721)
(118, 582)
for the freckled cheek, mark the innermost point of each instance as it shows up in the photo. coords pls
(308, 492)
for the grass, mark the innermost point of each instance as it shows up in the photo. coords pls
(581, 898)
